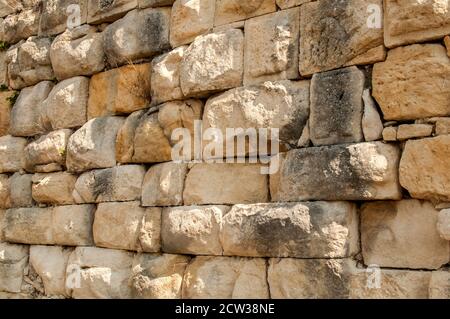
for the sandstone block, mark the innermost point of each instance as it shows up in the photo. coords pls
(444, 224)
(390, 134)
(443, 126)
(439, 285)
(5, 193)
(407, 131)
(21, 25)
(5, 111)
(13, 260)
(20, 191)
(54, 188)
(72, 225)
(228, 11)
(11, 153)
(372, 125)
(108, 11)
(57, 15)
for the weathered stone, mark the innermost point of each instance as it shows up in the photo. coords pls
(190, 19)
(272, 47)
(2, 221)
(66, 104)
(3, 67)
(50, 262)
(11, 153)
(157, 276)
(154, 3)
(47, 149)
(225, 184)
(302, 230)
(120, 90)
(54, 188)
(284, 4)
(337, 107)
(228, 11)
(13, 260)
(390, 134)
(371, 122)
(163, 185)
(5, 194)
(193, 229)
(100, 273)
(408, 85)
(305, 138)
(364, 171)
(20, 194)
(443, 126)
(127, 226)
(221, 67)
(72, 225)
(414, 21)
(29, 62)
(407, 131)
(8, 7)
(107, 11)
(439, 285)
(93, 145)
(25, 114)
(119, 183)
(140, 34)
(165, 78)
(57, 15)
(335, 33)
(77, 51)
(443, 224)
(233, 278)
(5, 111)
(402, 235)
(21, 25)
(427, 177)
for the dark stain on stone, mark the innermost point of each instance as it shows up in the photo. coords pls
(103, 183)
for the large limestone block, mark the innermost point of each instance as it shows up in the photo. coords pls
(364, 171)
(21, 25)
(107, 11)
(72, 225)
(77, 51)
(48, 149)
(94, 144)
(189, 19)
(163, 185)
(408, 85)
(228, 11)
(402, 235)
(50, 263)
(415, 21)
(336, 33)
(11, 153)
(140, 34)
(424, 169)
(272, 47)
(5, 111)
(225, 184)
(439, 285)
(57, 15)
(29, 62)
(301, 230)
(283, 105)
(13, 263)
(66, 104)
(54, 188)
(213, 62)
(233, 277)
(193, 229)
(26, 113)
(337, 107)
(119, 183)
(443, 224)
(127, 226)
(5, 194)
(20, 194)
(120, 90)
(157, 276)
(98, 273)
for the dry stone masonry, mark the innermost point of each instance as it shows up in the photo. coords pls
(340, 189)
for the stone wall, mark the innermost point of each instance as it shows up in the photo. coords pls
(92, 204)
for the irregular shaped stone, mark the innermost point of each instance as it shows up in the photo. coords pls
(390, 134)
(54, 188)
(20, 194)
(372, 125)
(233, 278)
(108, 11)
(154, 3)
(364, 171)
(5, 193)
(163, 185)
(407, 131)
(8, 7)
(440, 285)
(225, 184)
(127, 226)
(399, 84)
(402, 235)
(93, 145)
(48, 149)
(221, 67)
(193, 229)
(13, 260)
(337, 107)
(26, 112)
(2, 221)
(272, 47)
(3, 68)
(444, 224)
(140, 34)
(301, 230)
(77, 51)
(5, 111)
(443, 126)
(120, 90)
(335, 33)
(190, 19)
(228, 11)
(119, 183)
(11, 153)
(57, 15)
(424, 170)
(21, 25)
(157, 276)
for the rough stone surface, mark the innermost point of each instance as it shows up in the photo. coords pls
(440, 285)
(20, 194)
(11, 153)
(57, 15)
(13, 260)
(228, 11)
(407, 131)
(5, 111)
(21, 25)
(443, 126)
(390, 134)
(364, 171)
(54, 188)
(284, 4)
(444, 224)
(5, 194)
(371, 122)
(106, 11)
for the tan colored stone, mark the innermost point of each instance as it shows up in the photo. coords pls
(108, 11)
(440, 285)
(13, 261)
(228, 11)
(5, 193)
(155, 3)
(443, 126)
(390, 134)
(443, 224)
(57, 14)
(372, 125)
(407, 131)
(54, 188)
(284, 4)
(11, 153)
(5, 111)
(21, 25)
(72, 225)
(447, 44)
(20, 193)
